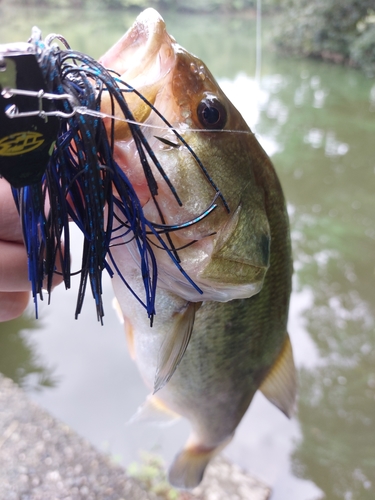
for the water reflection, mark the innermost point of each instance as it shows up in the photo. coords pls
(336, 412)
(327, 167)
(19, 357)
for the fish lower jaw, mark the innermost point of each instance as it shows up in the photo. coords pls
(224, 292)
(208, 289)
(232, 279)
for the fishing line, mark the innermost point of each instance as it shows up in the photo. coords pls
(100, 114)
(258, 42)
(179, 136)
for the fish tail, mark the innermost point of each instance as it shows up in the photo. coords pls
(187, 469)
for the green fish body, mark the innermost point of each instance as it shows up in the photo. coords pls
(206, 354)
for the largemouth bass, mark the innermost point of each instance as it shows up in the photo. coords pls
(212, 346)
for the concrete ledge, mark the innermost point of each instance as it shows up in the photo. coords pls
(43, 459)
(225, 481)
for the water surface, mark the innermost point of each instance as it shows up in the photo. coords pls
(318, 123)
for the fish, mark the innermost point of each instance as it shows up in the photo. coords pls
(219, 335)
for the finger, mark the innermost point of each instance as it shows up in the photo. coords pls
(10, 226)
(57, 278)
(12, 304)
(13, 267)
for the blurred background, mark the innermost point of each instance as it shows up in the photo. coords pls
(311, 102)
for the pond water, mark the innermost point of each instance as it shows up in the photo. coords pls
(318, 123)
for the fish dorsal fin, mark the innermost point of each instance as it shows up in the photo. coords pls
(280, 385)
(174, 345)
(154, 411)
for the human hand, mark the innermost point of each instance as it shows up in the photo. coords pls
(14, 283)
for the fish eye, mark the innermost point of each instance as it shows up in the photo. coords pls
(212, 114)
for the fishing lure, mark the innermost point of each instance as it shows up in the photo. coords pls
(58, 157)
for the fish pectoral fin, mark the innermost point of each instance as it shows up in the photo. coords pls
(187, 469)
(117, 308)
(280, 385)
(154, 411)
(129, 333)
(174, 345)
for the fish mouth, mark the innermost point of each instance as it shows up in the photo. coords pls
(143, 58)
(144, 52)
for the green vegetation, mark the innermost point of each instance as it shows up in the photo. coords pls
(341, 31)
(192, 5)
(151, 474)
(174, 5)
